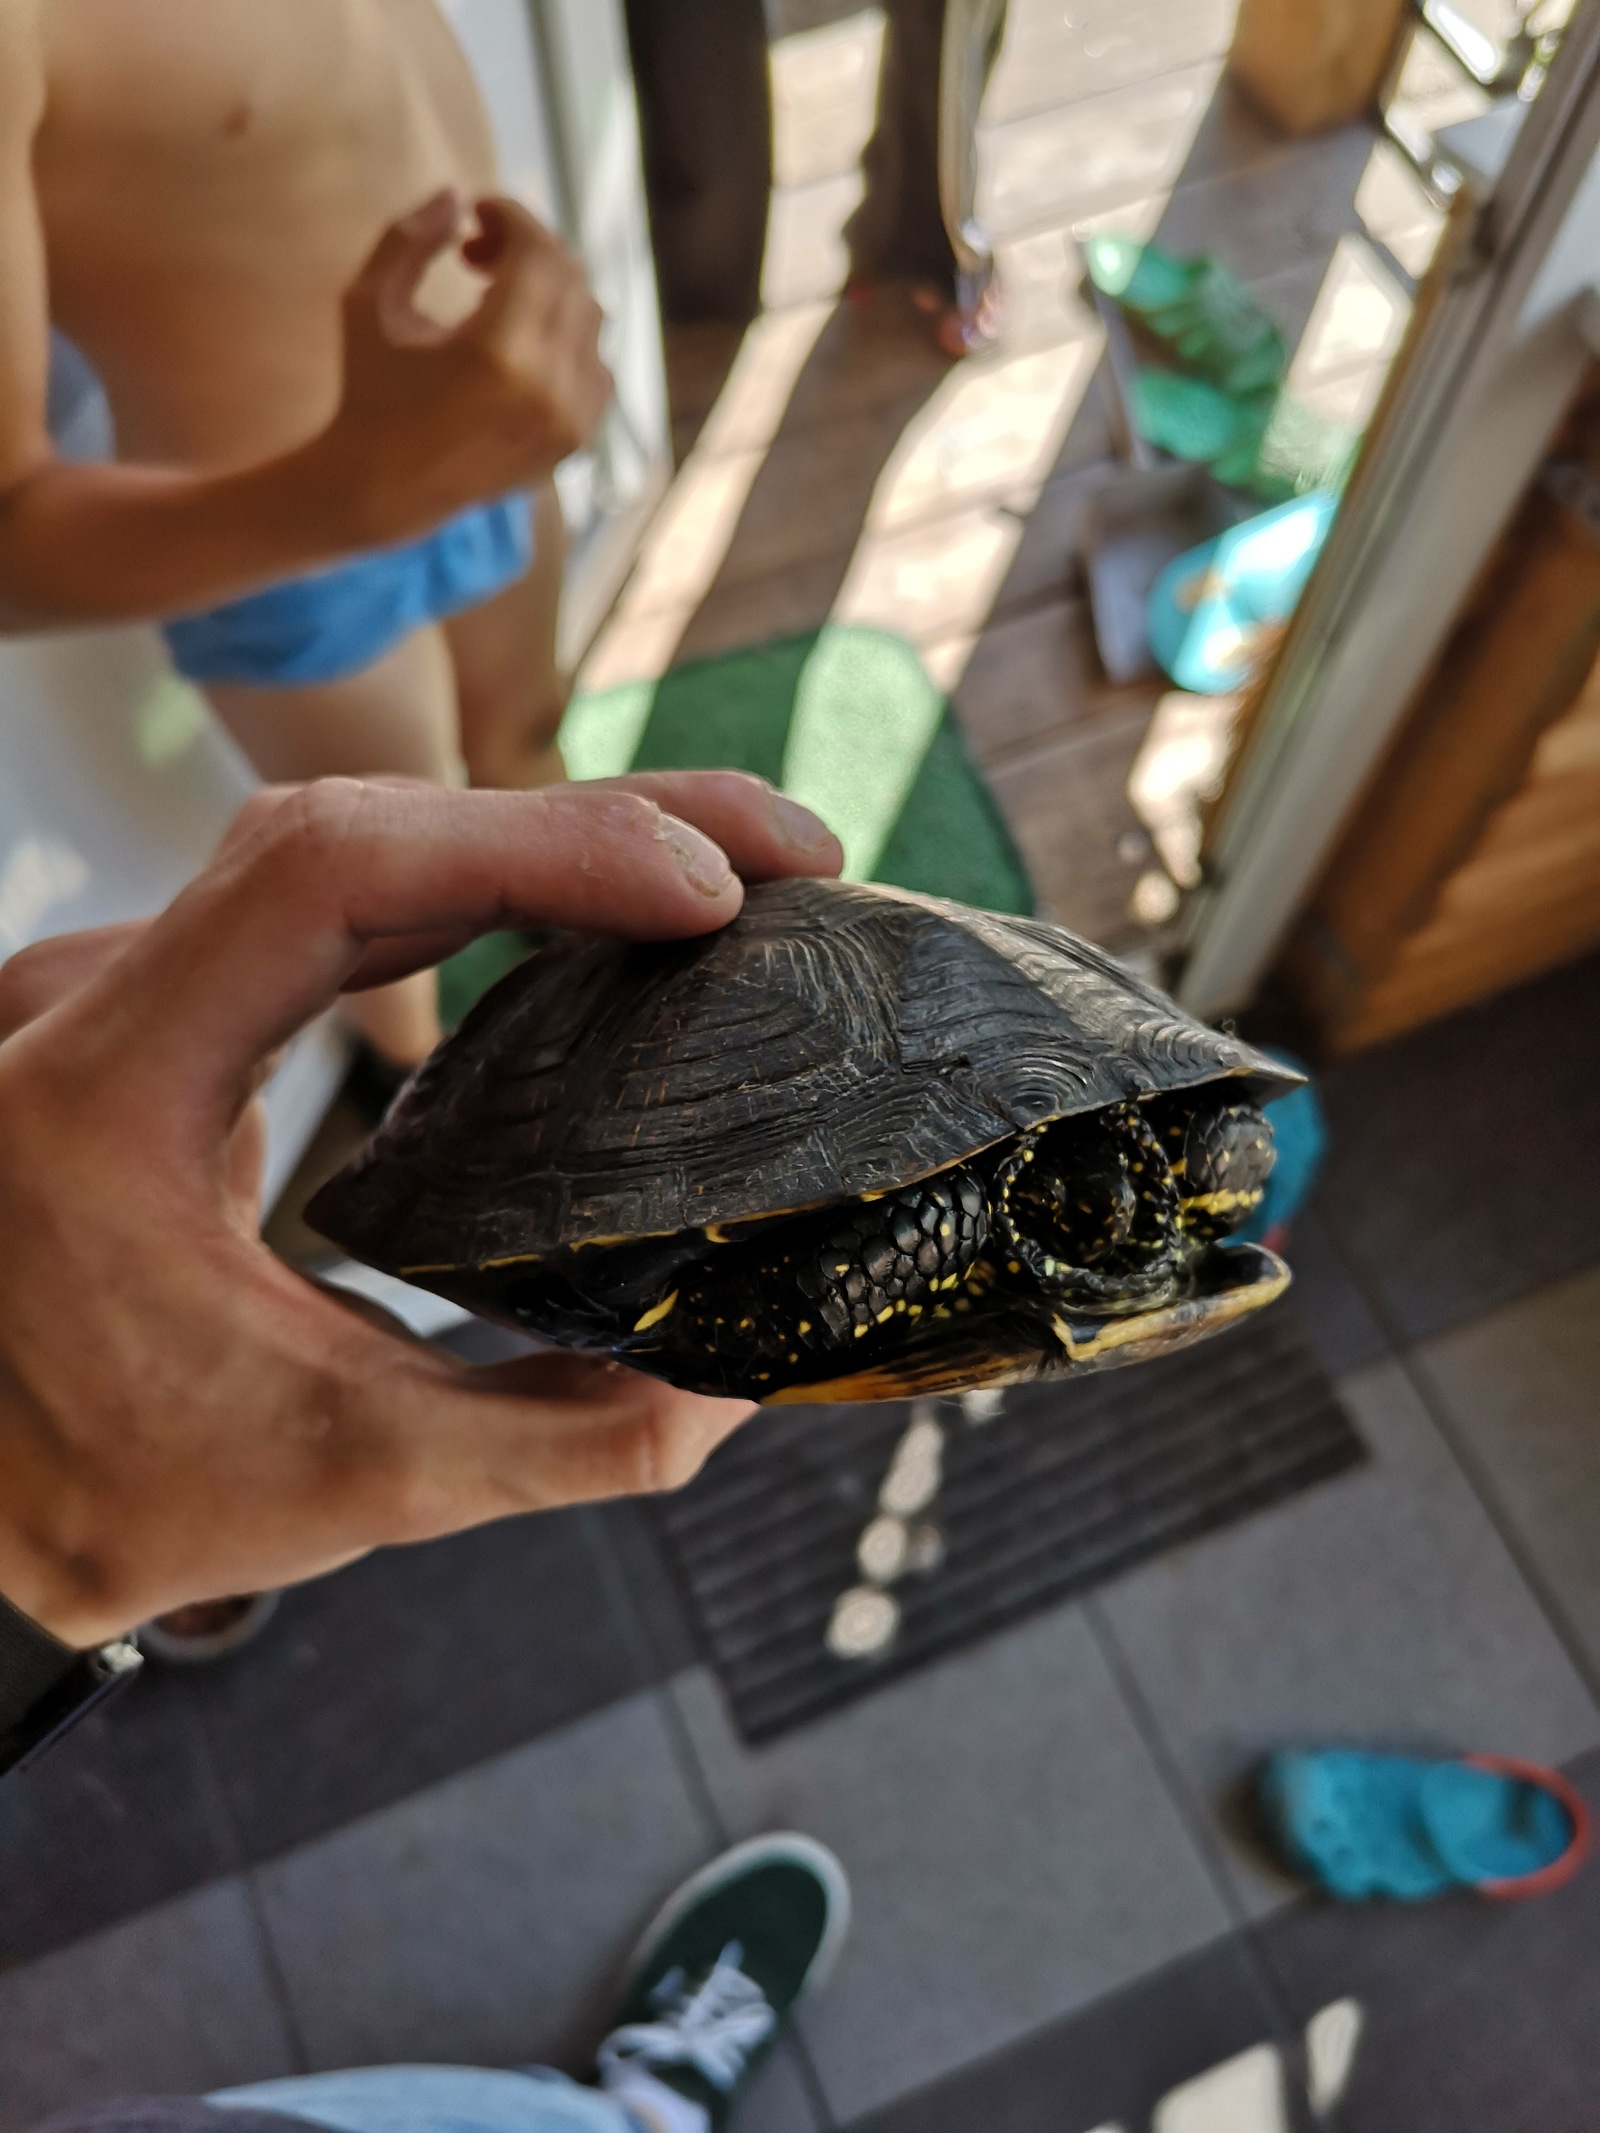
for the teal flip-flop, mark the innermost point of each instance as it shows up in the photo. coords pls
(1411, 1827)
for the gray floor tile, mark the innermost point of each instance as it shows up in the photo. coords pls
(1381, 1608)
(176, 2001)
(1523, 1387)
(778, 2100)
(1012, 1850)
(1464, 1160)
(484, 1920)
(1327, 1301)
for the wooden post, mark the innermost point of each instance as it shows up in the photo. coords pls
(1473, 859)
(1312, 64)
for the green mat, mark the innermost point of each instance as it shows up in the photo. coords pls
(846, 720)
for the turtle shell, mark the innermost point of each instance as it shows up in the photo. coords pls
(834, 1041)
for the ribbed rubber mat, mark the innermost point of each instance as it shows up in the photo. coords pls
(815, 1531)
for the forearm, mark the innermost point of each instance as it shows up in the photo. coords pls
(106, 543)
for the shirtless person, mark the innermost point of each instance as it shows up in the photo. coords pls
(230, 208)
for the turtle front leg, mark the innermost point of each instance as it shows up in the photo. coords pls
(774, 1309)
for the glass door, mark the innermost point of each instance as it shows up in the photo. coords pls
(1494, 352)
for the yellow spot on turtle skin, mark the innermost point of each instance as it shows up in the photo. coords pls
(657, 1312)
(1012, 1267)
(716, 1234)
(746, 1324)
(885, 1314)
(915, 1310)
(962, 1304)
(860, 1330)
(794, 1359)
(1221, 1203)
(843, 1267)
(804, 1326)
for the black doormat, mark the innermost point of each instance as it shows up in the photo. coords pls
(825, 1550)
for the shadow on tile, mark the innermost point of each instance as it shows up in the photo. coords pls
(1109, 2065)
(410, 1666)
(485, 1919)
(175, 2002)
(122, 1814)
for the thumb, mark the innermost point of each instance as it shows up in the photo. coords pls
(385, 290)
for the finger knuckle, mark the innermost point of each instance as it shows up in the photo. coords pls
(25, 980)
(315, 823)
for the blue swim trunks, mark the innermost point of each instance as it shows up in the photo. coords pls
(340, 620)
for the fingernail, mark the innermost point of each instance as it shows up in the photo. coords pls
(704, 864)
(798, 826)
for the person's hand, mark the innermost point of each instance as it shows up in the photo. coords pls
(181, 1415)
(433, 418)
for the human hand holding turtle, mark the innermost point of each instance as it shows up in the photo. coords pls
(181, 1415)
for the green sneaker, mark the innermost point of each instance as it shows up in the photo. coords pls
(716, 1975)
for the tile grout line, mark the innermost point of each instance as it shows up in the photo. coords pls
(1472, 1468)
(1196, 1825)
(651, 1672)
(647, 1659)
(246, 1871)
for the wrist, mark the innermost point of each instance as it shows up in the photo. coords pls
(51, 1572)
(338, 488)
(312, 501)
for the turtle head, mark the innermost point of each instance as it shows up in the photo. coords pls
(1010, 1343)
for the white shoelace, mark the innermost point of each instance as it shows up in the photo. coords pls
(714, 2029)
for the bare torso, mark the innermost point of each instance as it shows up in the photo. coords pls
(211, 175)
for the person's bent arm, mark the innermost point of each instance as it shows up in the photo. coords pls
(181, 1415)
(430, 419)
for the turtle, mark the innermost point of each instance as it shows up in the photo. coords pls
(859, 1144)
